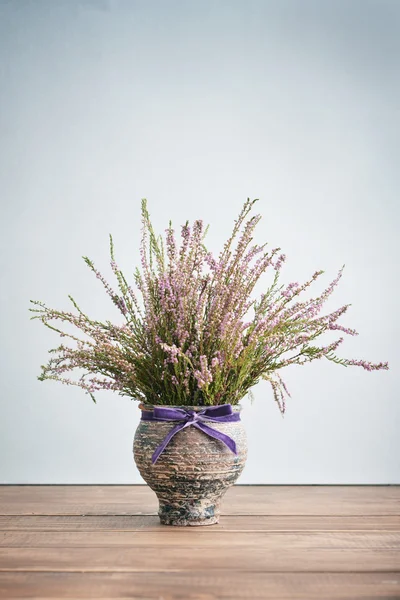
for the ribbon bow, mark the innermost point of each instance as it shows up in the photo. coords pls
(186, 418)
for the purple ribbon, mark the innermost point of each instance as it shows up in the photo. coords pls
(186, 418)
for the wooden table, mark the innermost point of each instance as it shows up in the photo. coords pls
(309, 542)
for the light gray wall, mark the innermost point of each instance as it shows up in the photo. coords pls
(197, 105)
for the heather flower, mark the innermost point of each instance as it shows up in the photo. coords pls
(192, 332)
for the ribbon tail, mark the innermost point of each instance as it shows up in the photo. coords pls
(218, 435)
(166, 441)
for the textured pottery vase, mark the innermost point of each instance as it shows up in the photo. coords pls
(193, 472)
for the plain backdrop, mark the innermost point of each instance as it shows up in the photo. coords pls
(197, 105)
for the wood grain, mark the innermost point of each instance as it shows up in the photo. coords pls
(185, 538)
(202, 585)
(239, 500)
(239, 523)
(273, 542)
(267, 558)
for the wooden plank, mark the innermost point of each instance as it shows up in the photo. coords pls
(201, 537)
(81, 500)
(284, 556)
(202, 585)
(239, 500)
(228, 523)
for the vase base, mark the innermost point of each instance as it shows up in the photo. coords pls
(189, 522)
(189, 515)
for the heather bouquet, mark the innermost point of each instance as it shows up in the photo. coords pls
(191, 332)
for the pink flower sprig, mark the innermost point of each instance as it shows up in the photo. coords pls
(192, 331)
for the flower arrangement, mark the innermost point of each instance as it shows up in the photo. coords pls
(192, 333)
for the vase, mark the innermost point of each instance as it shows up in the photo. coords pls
(194, 471)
